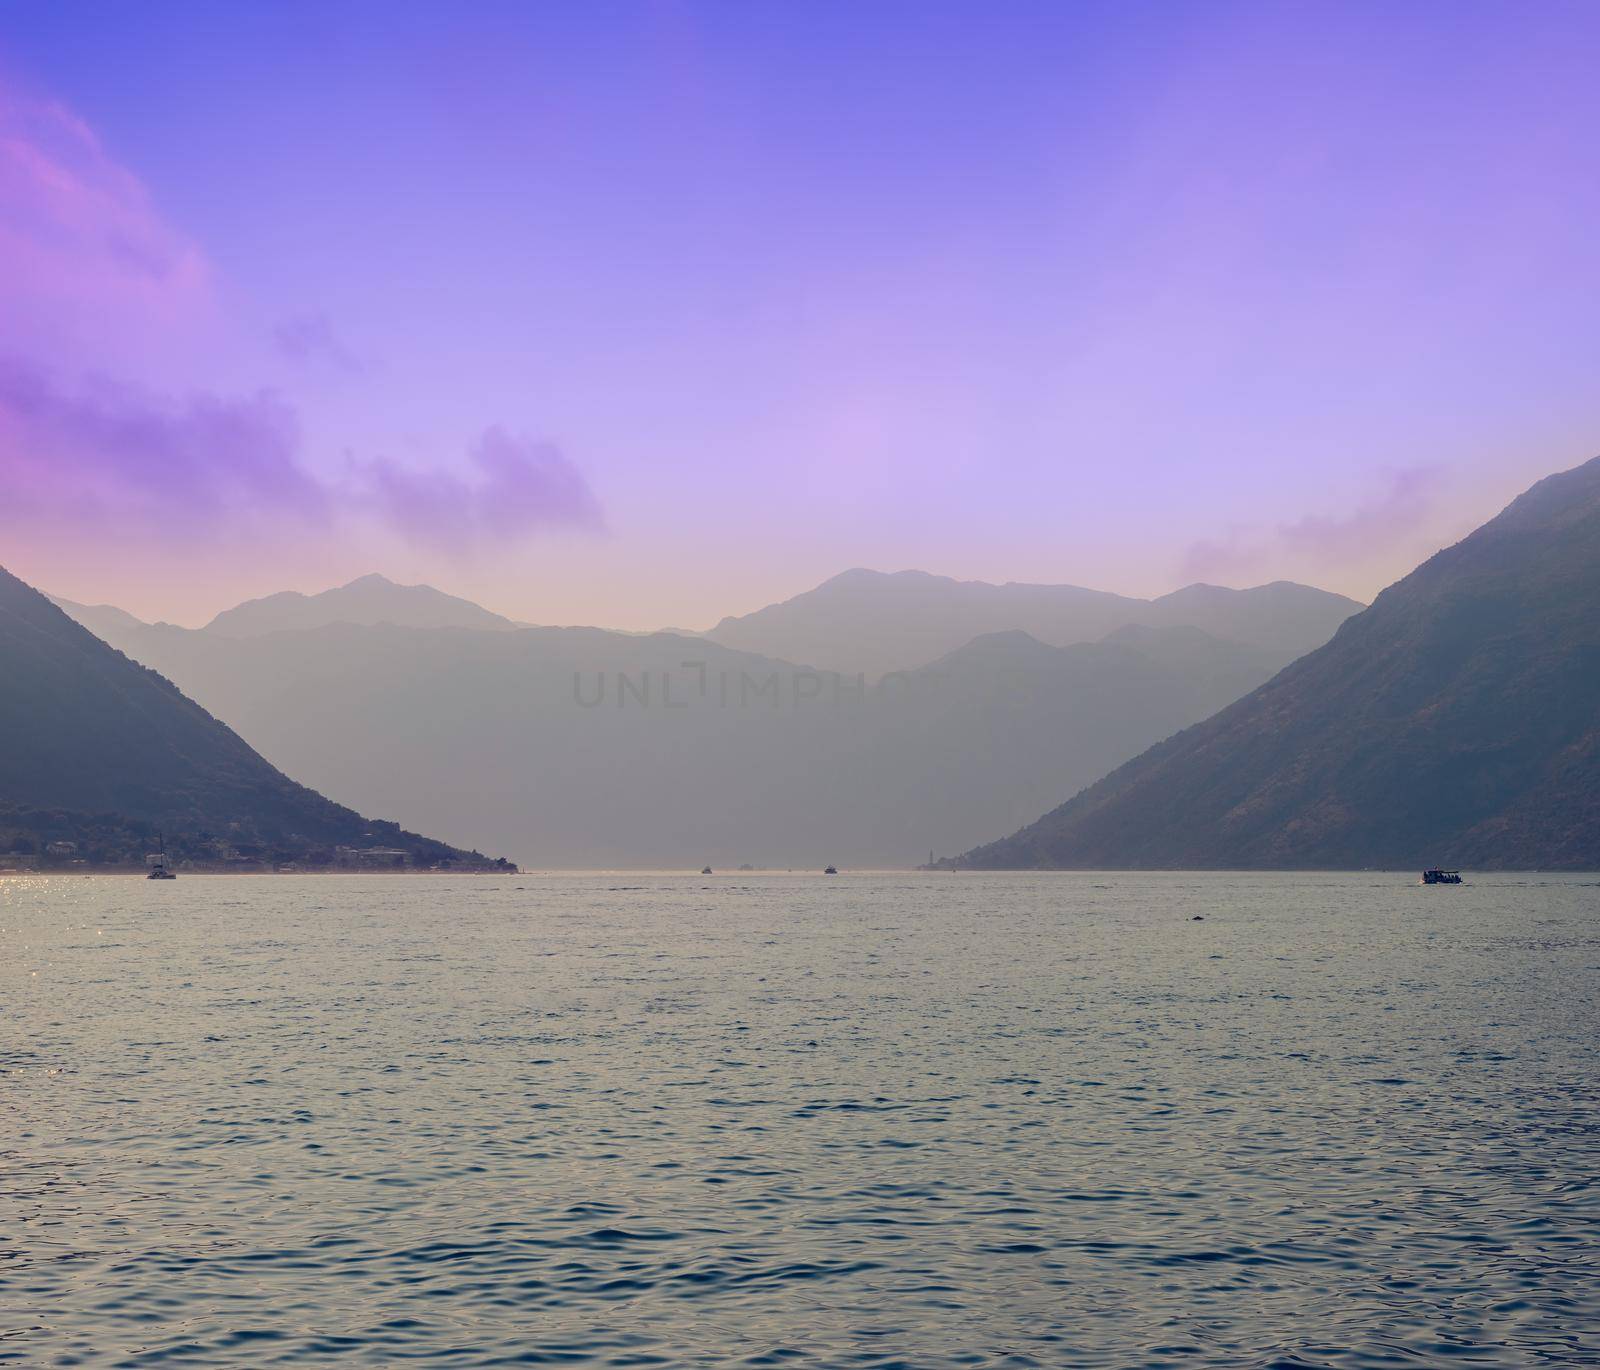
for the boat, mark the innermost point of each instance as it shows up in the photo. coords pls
(1441, 877)
(830, 871)
(157, 861)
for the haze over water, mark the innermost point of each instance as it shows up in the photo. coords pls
(879, 1120)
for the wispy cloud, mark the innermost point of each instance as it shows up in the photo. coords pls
(1373, 526)
(106, 460)
(1322, 541)
(89, 459)
(309, 339)
(105, 449)
(76, 226)
(520, 487)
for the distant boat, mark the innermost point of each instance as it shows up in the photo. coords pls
(705, 870)
(830, 871)
(1439, 877)
(157, 861)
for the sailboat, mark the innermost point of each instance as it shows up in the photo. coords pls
(157, 861)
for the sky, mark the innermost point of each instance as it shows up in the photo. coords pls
(641, 314)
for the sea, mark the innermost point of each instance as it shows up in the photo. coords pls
(782, 1119)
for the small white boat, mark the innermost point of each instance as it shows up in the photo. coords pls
(157, 861)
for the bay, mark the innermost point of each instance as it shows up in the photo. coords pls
(931, 1120)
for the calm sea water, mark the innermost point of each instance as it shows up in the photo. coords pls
(748, 1120)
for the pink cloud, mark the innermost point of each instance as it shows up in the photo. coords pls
(309, 340)
(107, 462)
(1323, 541)
(522, 487)
(112, 463)
(77, 230)
(90, 269)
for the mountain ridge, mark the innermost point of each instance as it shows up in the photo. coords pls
(367, 600)
(91, 732)
(1455, 721)
(525, 739)
(879, 622)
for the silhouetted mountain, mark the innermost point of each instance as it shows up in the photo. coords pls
(873, 622)
(89, 732)
(369, 600)
(1456, 721)
(576, 746)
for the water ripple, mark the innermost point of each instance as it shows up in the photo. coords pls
(927, 1122)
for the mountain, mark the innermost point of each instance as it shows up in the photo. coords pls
(578, 746)
(103, 620)
(96, 741)
(877, 623)
(1455, 722)
(1283, 617)
(370, 600)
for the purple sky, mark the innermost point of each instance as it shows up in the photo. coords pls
(644, 313)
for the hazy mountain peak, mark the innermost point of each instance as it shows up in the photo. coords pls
(1273, 589)
(1006, 645)
(105, 621)
(367, 601)
(860, 578)
(1198, 588)
(877, 622)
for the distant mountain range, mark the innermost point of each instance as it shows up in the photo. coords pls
(1455, 722)
(102, 753)
(369, 600)
(105, 621)
(497, 736)
(875, 622)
